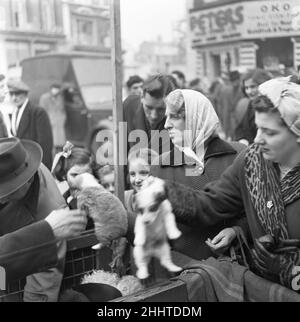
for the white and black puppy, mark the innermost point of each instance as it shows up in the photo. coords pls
(155, 223)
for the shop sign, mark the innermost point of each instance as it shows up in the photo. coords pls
(265, 19)
(218, 24)
(246, 20)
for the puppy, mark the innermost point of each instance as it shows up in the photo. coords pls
(155, 223)
(107, 211)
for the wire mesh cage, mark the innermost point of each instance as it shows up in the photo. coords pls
(81, 259)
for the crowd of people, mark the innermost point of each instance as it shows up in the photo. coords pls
(229, 158)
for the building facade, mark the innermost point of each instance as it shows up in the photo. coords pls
(86, 24)
(28, 28)
(227, 35)
(33, 27)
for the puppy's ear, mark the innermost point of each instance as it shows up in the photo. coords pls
(161, 197)
(166, 190)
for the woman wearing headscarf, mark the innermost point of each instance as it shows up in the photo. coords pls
(263, 182)
(199, 157)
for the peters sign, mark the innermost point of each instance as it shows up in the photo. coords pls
(246, 20)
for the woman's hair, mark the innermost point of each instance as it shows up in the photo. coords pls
(105, 170)
(258, 76)
(262, 104)
(176, 100)
(146, 154)
(78, 156)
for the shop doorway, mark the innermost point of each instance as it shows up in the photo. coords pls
(273, 52)
(216, 63)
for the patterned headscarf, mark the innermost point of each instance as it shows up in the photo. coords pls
(201, 122)
(285, 96)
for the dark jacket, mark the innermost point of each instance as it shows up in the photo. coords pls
(42, 198)
(247, 128)
(29, 262)
(226, 199)
(219, 156)
(3, 129)
(136, 120)
(35, 125)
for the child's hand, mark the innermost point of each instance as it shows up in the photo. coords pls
(222, 241)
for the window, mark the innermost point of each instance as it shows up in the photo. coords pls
(19, 16)
(16, 51)
(48, 10)
(85, 31)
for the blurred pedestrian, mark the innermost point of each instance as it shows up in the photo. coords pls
(195, 85)
(53, 103)
(135, 85)
(3, 94)
(180, 78)
(243, 116)
(29, 121)
(228, 98)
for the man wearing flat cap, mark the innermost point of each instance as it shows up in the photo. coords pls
(30, 122)
(28, 194)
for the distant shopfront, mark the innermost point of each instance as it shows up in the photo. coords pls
(247, 34)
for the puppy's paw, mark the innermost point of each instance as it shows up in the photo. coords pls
(174, 234)
(97, 246)
(142, 273)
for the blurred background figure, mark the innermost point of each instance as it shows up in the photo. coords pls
(228, 97)
(243, 121)
(196, 85)
(29, 121)
(180, 78)
(3, 93)
(53, 103)
(135, 85)
(106, 176)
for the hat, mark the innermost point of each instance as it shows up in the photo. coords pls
(98, 292)
(17, 86)
(285, 96)
(19, 160)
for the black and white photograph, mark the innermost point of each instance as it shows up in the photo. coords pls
(149, 153)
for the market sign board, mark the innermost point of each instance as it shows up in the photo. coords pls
(246, 20)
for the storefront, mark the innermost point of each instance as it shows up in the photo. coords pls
(244, 35)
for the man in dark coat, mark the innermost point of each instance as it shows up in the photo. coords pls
(148, 113)
(28, 194)
(30, 122)
(59, 225)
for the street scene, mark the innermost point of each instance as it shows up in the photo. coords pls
(149, 152)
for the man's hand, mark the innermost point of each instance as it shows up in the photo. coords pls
(222, 241)
(67, 223)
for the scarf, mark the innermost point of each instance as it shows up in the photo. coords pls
(201, 122)
(268, 193)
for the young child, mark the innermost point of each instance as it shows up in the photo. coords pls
(67, 165)
(106, 176)
(139, 164)
(70, 163)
